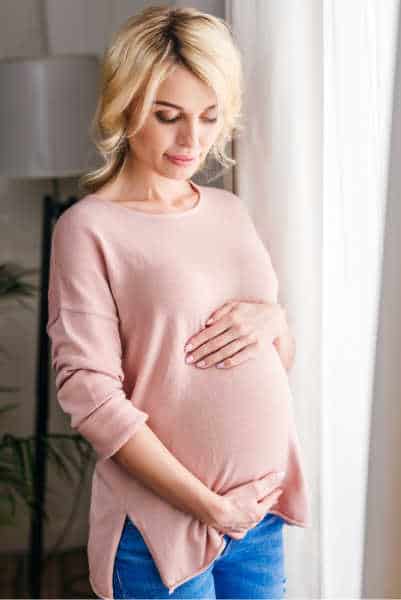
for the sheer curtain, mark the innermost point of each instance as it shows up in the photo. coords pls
(360, 43)
(312, 166)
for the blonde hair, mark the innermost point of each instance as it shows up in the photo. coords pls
(142, 54)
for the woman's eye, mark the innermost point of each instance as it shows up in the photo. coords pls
(164, 119)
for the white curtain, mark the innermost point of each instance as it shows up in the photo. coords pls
(359, 58)
(312, 166)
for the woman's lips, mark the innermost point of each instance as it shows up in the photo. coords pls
(179, 160)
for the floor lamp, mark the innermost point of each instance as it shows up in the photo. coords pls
(46, 105)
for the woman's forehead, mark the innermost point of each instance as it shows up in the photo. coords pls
(181, 89)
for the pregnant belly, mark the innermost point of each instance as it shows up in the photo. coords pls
(230, 426)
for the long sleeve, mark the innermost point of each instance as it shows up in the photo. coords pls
(86, 350)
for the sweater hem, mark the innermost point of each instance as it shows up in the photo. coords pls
(176, 584)
(173, 586)
(102, 596)
(179, 582)
(289, 520)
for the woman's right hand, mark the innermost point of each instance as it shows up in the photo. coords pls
(244, 506)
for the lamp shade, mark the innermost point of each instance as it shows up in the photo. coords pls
(46, 106)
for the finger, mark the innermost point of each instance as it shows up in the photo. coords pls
(285, 345)
(229, 352)
(234, 535)
(240, 533)
(208, 333)
(266, 503)
(259, 487)
(243, 355)
(213, 345)
(267, 483)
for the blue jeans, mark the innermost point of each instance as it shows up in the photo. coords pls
(251, 567)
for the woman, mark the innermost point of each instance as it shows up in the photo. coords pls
(169, 347)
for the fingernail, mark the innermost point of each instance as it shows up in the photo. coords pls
(188, 348)
(279, 475)
(209, 321)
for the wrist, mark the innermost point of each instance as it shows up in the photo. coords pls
(210, 507)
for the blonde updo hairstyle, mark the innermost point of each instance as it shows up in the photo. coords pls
(142, 54)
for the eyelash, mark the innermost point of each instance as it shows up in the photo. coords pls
(163, 120)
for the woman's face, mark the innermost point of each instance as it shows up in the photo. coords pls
(187, 129)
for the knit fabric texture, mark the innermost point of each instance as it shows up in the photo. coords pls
(127, 290)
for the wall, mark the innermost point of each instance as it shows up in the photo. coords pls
(32, 28)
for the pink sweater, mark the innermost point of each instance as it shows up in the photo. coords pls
(127, 290)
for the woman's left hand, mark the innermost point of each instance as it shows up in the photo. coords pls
(233, 333)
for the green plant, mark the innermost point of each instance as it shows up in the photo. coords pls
(68, 453)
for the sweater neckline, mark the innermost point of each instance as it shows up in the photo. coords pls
(166, 215)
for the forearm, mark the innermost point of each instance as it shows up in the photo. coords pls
(146, 458)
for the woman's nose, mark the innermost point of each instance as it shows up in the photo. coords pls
(189, 135)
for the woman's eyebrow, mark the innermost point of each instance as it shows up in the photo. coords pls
(165, 103)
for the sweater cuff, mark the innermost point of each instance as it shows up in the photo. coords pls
(121, 422)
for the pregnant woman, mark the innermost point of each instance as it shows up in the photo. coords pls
(169, 347)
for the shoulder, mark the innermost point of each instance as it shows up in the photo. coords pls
(85, 210)
(78, 230)
(234, 206)
(227, 198)
(85, 216)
